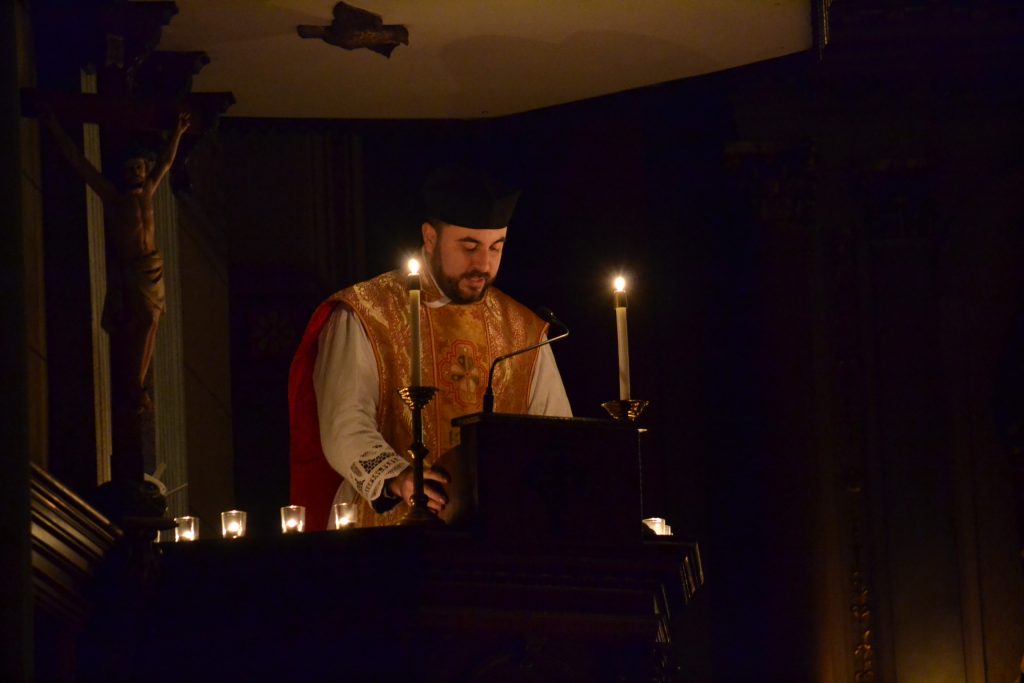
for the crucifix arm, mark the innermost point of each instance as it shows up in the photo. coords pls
(166, 158)
(86, 171)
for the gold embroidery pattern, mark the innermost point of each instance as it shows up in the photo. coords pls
(496, 326)
(461, 374)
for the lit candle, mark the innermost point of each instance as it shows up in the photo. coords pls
(187, 529)
(293, 519)
(656, 524)
(414, 318)
(623, 337)
(232, 524)
(345, 515)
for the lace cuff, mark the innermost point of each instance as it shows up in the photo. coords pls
(369, 472)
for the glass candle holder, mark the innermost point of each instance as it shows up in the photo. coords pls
(293, 519)
(656, 524)
(187, 529)
(232, 524)
(345, 515)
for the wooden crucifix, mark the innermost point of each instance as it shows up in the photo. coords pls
(136, 301)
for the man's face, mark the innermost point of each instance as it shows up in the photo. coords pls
(464, 261)
(135, 171)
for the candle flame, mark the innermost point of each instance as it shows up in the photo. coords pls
(414, 266)
(233, 527)
(620, 284)
(292, 523)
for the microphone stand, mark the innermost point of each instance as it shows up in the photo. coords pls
(547, 316)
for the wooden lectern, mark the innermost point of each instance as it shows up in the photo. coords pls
(525, 480)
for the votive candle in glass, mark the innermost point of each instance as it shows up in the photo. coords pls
(187, 529)
(232, 524)
(656, 524)
(293, 519)
(345, 515)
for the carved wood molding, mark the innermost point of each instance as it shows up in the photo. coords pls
(140, 88)
(106, 33)
(152, 114)
(69, 540)
(852, 362)
(603, 596)
(131, 30)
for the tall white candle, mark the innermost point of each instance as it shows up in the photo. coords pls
(622, 333)
(414, 319)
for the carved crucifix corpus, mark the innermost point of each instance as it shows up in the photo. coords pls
(135, 302)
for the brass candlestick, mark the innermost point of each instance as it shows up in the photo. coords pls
(419, 514)
(625, 410)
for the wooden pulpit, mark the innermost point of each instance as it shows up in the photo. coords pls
(526, 480)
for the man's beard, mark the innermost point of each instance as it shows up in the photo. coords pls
(450, 285)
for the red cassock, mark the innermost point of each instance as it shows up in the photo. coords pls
(313, 481)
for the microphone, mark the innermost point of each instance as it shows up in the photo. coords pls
(547, 316)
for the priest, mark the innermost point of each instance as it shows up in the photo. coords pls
(350, 430)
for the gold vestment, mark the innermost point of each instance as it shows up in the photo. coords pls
(459, 343)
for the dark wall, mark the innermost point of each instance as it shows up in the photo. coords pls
(68, 309)
(15, 562)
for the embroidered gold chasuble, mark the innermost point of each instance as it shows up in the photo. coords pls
(459, 343)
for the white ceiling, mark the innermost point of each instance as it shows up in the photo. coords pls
(473, 58)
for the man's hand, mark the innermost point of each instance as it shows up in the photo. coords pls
(434, 481)
(184, 121)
